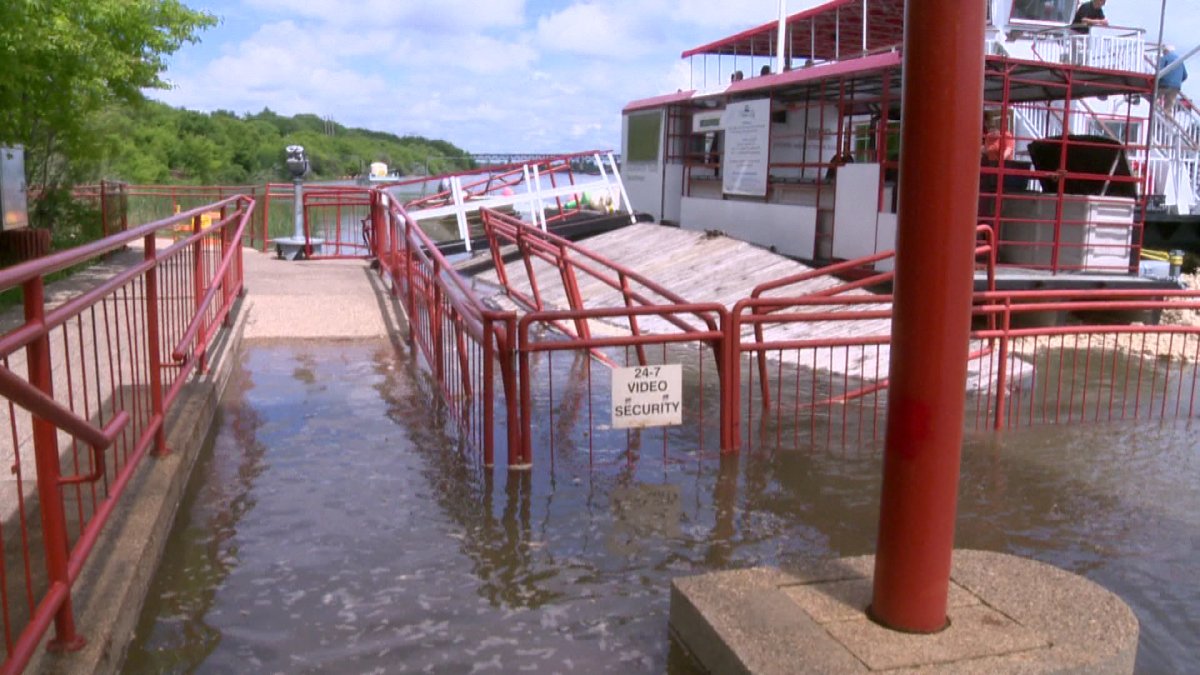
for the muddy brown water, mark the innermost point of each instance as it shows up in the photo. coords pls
(336, 527)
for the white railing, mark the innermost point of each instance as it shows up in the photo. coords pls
(1110, 48)
(535, 197)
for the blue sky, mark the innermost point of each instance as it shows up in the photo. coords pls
(487, 75)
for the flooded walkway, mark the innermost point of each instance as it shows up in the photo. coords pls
(335, 527)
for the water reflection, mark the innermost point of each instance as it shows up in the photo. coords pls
(339, 526)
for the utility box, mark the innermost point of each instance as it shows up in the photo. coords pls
(12, 189)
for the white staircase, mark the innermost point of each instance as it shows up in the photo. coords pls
(1173, 150)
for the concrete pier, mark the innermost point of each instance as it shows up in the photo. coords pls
(1007, 615)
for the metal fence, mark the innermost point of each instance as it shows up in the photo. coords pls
(87, 381)
(776, 370)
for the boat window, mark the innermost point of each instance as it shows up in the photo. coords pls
(1115, 129)
(645, 132)
(1050, 11)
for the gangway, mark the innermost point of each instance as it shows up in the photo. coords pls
(524, 187)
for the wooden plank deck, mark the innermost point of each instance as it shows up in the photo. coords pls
(693, 265)
(705, 268)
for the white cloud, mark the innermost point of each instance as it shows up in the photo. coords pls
(473, 53)
(439, 16)
(731, 15)
(278, 67)
(593, 29)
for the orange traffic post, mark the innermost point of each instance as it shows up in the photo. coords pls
(939, 189)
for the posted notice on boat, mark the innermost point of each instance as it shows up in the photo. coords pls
(647, 396)
(747, 127)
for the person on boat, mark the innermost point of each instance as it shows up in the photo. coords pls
(766, 70)
(998, 141)
(1090, 13)
(1170, 84)
(840, 159)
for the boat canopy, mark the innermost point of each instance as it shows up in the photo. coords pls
(826, 32)
(863, 80)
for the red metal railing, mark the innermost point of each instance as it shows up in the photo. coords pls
(675, 319)
(566, 384)
(338, 217)
(1093, 372)
(820, 359)
(104, 367)
(111, 198)
(463, 341)
(821, 390)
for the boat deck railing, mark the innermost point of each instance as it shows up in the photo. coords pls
(1104, 47)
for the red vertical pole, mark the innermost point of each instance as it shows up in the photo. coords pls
(266, 214)
(378, 211)
(45, 449)
(393, 252)
(198, 287)
(154, 348)
(939, 191)
(103, 210)
(241, 271)
(385, 244)
(489, 395)
(124, 193)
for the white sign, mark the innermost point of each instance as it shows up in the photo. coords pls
(747, 127)
(647, 396)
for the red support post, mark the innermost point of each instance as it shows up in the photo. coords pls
(939, 190)
(103, 210)
(154, 348)
(506, 352)
(1002, 369)
(198, 287)
(241, 262)
(266, 214)
(124, 201)
(378, 220)
(489, 396)
(49, 473)
(226, 286)
(571, 288)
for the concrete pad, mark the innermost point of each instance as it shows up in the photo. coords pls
(313, 299)
(1007, 614)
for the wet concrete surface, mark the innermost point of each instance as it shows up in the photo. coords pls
(337, 526)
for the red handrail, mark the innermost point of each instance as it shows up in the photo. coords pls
(133, 363)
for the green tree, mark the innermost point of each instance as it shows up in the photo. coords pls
(62, 61)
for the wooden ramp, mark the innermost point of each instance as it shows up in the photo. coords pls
(694, 265)
(702, 267)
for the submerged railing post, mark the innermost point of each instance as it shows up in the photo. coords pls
(939, 190)
(489, 396)
(732, 382)
(1002, 367)
(49, 472)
